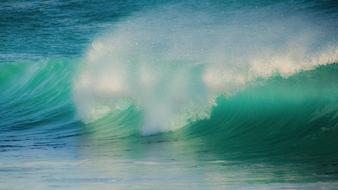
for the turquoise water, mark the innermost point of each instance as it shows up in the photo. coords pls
(168, 95)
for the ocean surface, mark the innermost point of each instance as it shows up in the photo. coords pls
(147, 94)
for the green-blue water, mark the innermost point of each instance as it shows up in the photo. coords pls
(168, 95)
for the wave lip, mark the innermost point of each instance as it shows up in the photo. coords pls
(293, 116)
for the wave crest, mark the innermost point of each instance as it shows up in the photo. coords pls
(173, 63)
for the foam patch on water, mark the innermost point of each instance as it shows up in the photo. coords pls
(172, 63)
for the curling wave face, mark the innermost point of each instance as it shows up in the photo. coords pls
(36, 93)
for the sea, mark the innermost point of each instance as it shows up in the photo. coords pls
(168, 94)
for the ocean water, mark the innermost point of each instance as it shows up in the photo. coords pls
(168, 94)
